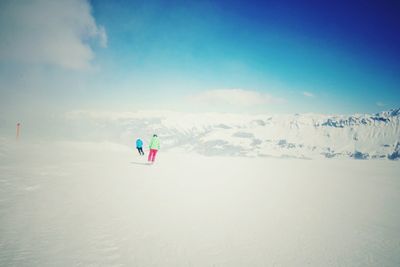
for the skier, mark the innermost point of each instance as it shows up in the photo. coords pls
(154, 147)
(139, 146)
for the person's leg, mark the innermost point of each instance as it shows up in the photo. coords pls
(138, 149)
(141, 151)
(151, 155)
(154, 155)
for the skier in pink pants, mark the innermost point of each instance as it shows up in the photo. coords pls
(154, 147)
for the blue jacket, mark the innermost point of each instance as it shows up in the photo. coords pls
(139, 143)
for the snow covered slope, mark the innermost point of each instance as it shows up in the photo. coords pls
(360, 136)
(99, 204)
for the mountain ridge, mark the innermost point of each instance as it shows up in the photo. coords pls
(359, 136)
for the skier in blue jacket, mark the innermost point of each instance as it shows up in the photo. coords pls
(139, 146)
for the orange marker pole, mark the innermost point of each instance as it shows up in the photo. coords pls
(18, 129)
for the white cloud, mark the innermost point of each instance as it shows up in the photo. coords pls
(234, 97)
(380, 104)
(49, 32)
(308, 94)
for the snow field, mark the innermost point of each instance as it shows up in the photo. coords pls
(99, 204)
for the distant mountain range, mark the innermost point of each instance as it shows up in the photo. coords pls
(360, 136)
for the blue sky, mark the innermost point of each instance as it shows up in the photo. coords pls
(296, 56)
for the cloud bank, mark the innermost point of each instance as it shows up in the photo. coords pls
(380, 104)
(49, 32)
(308, 94)
(234, 97)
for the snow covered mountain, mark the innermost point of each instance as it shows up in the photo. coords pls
(360, 136)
